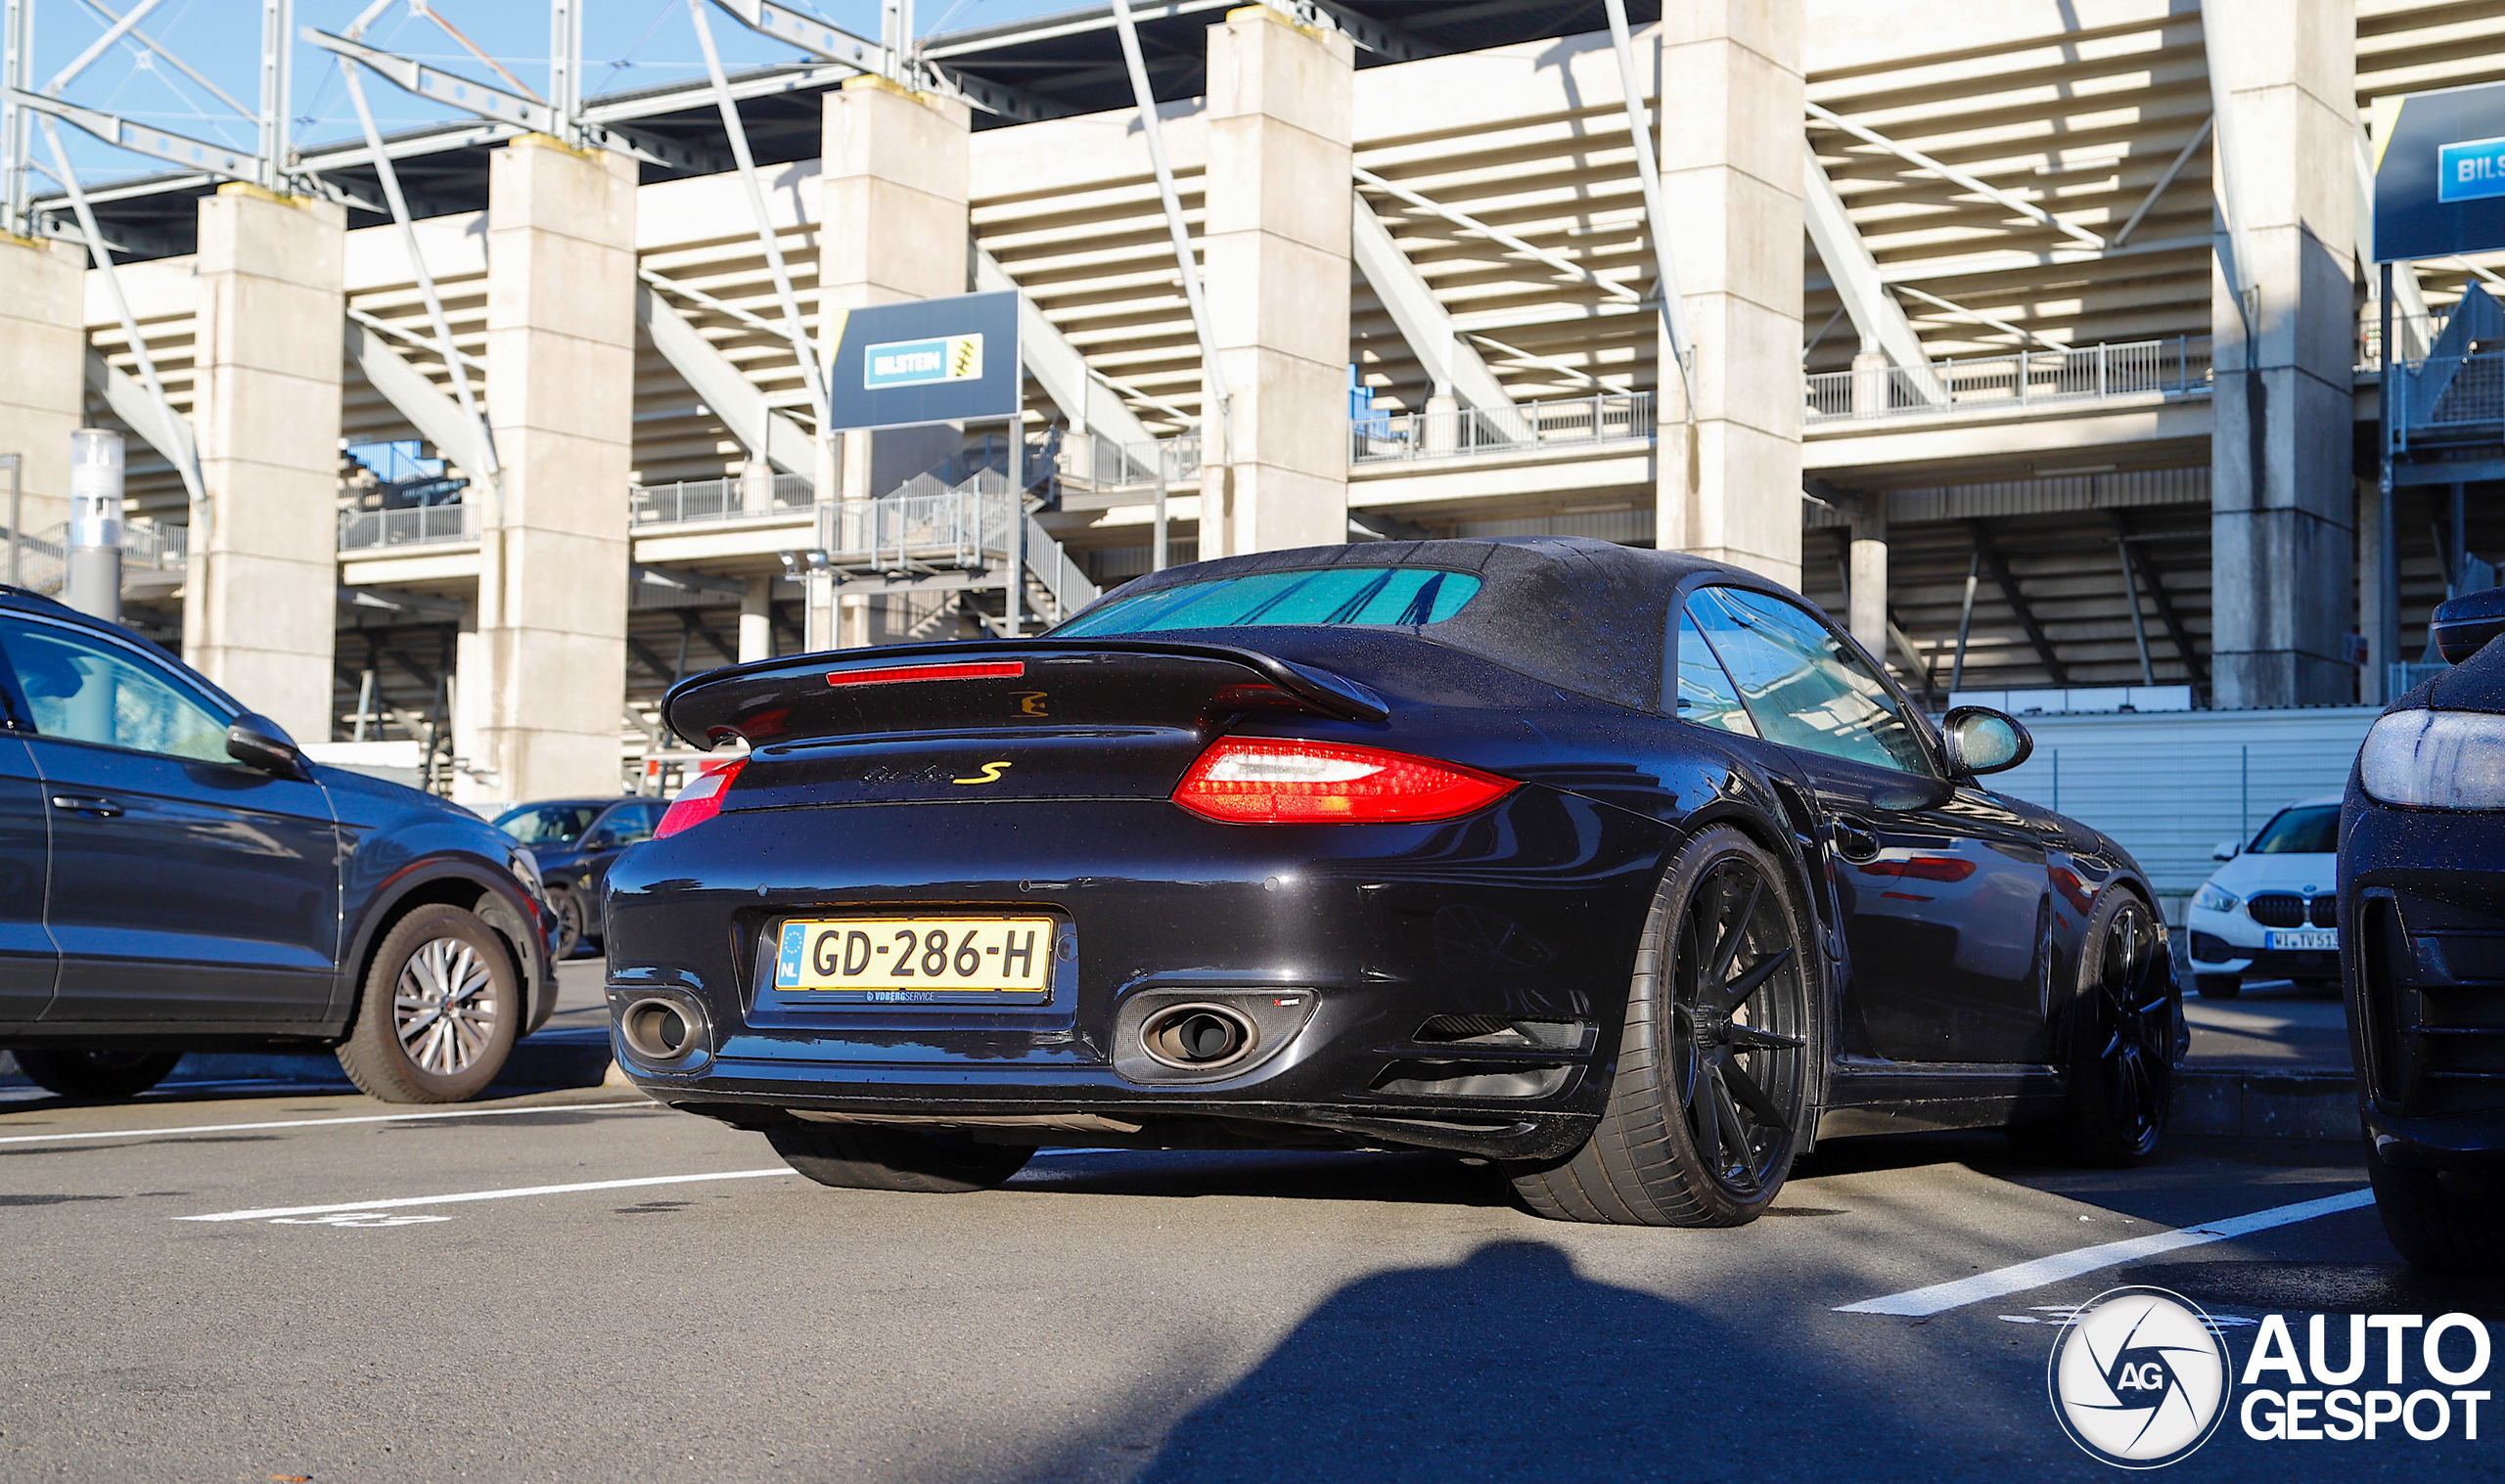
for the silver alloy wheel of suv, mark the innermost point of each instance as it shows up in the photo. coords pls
(445, 1005)
(440, 1011)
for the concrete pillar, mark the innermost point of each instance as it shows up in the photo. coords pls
(1729, 479)
(756, 620)
(1442, 433)
(2281, 536)
(1870, 369)
(543, 678)
(1866, 563)
(1280, 120)
(260, 601)
(891, 226)
(43, 349)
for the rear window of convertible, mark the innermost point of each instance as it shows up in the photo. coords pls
(1338, 595)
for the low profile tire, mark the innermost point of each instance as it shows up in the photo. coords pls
(2443, 1222)
(2118, 1036)
(1722, 1038)
(855, 1158)
(97, 1074)
(442, 1006)
(2218, 986)
(568, 908)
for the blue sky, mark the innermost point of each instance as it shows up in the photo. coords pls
(626, 44)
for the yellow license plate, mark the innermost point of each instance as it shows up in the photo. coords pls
(915, 958)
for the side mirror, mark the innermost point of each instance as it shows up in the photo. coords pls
(1984, 741)
(256, 741)
(599, 840)
(2463, 625)
(2226, 850)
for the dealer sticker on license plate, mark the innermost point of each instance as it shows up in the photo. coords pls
(913, 959)
(2321, 939)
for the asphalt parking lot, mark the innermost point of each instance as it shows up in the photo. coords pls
(269, 1282)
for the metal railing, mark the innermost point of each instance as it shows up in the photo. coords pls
(1380, 438)
(935, 528)
(1091, 465)
(942, 529)
(2455, 394)
(729, 499)
(2021, 379)
(1063, 580)
(42, 556)
(415, 526)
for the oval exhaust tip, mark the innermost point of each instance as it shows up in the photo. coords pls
(657, 1030)
(1198, 1037)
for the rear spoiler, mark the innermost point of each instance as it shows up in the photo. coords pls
(990, 683)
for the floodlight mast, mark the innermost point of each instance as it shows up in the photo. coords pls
(17, 76)
(278, 33)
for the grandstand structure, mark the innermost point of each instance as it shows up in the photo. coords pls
(2038, 339)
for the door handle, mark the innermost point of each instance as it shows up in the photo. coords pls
(1854, 840)
(86, 803)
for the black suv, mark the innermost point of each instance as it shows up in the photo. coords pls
(575, 840)
(176, 876)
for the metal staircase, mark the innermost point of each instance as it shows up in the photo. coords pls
(930, 536)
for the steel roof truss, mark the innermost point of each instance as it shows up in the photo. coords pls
(436, 86)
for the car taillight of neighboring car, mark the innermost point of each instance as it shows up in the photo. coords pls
(1265, 781)
(701, 800)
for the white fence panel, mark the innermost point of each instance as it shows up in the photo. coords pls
(2170, 786)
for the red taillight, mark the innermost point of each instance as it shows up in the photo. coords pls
(899, 674)
(701, 800)
(1257, 781)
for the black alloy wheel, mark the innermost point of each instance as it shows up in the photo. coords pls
(568, 907)
(82, 1073)
(2121, 1036)
(1716, 1066)
(1740, 1047)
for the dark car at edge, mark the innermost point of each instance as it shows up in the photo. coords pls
(2422, 934)
(1624, 870)
(574, 841)
(176, 876)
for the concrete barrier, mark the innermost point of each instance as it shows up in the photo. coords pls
(2263, 1101)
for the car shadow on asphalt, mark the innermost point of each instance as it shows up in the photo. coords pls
(1426, 1179)
(1512, 1365)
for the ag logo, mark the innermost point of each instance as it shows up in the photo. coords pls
(2138, 1377)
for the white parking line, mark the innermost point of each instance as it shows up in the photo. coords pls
(1956, 1293)
(272, 1212)
(315, 1123)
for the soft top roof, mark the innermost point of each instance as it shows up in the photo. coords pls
(1584, 615)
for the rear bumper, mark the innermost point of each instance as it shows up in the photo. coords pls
(2422, 899)
(1528, 911)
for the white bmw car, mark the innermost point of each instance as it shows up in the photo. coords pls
(2272, 910)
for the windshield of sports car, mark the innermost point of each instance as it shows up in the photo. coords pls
(2314, 831)
(548, 823)
(1337, 595)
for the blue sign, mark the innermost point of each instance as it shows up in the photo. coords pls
(2440, 173)
(925, 361)
(2471, 172)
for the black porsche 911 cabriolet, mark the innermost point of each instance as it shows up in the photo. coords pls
(1623, 869)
